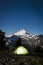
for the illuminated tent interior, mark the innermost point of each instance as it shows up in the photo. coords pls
(21, 51)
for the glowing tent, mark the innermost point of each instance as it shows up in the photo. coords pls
(21, 50)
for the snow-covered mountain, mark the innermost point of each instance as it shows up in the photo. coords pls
(18, 33)
(24, 34)
(21, 32)
(27, 39)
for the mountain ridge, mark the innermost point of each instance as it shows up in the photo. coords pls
(27, 39)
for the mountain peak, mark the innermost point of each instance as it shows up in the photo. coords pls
(21, 32)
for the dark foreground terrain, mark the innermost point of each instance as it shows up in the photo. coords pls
(8, 58)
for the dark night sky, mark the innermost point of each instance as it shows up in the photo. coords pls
(21, 14)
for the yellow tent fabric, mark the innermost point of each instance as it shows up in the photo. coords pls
(21, 50)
